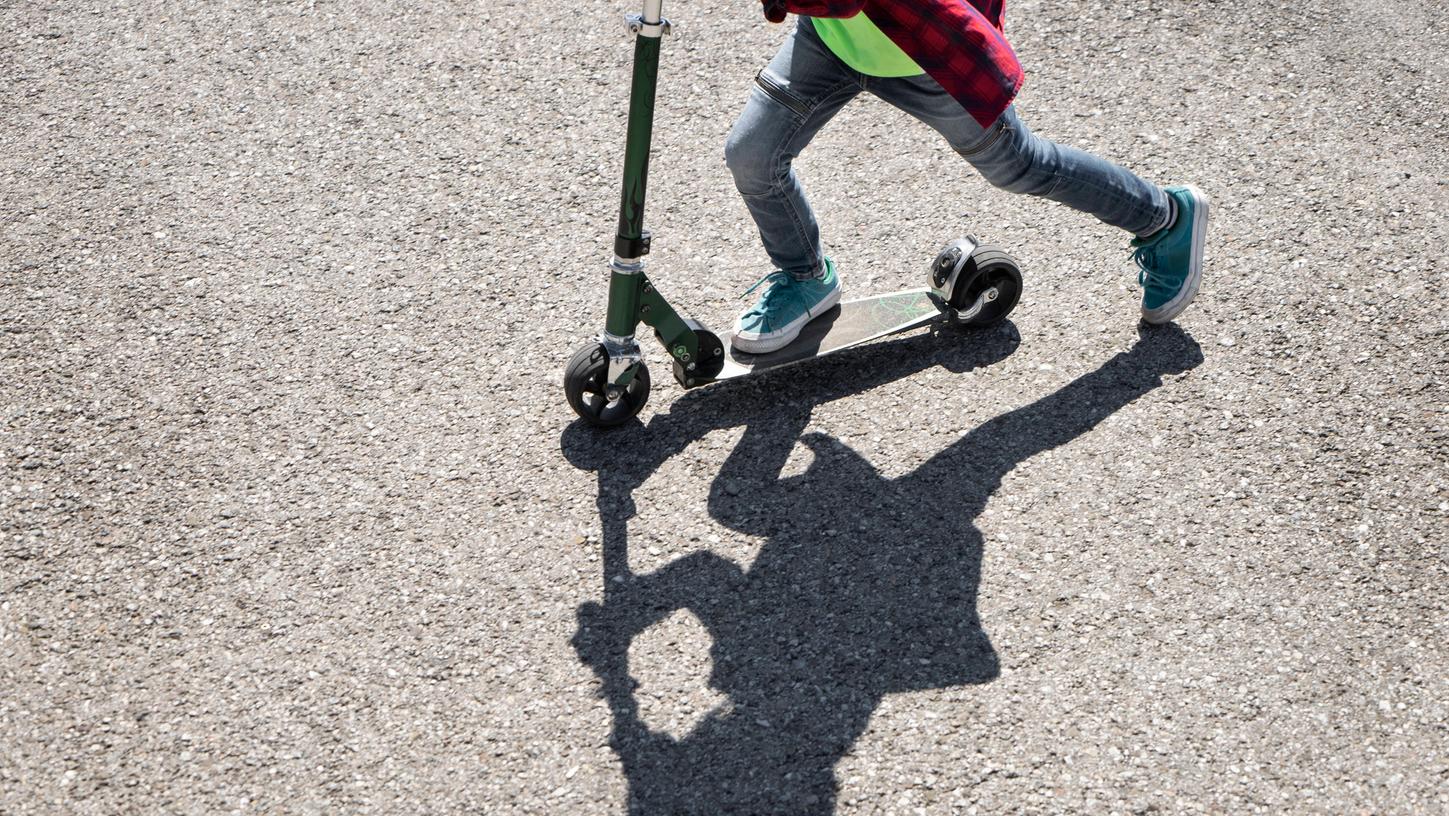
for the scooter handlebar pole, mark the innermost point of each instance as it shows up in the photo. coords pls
(630, 243)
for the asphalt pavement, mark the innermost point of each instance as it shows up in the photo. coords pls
(294, 517)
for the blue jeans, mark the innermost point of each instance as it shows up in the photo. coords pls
(805, 85)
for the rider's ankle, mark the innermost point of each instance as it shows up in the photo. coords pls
(1166, 224)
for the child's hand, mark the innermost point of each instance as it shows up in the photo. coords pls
(774, 10)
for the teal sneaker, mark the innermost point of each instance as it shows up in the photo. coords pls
(784, 309)
(1171, 260)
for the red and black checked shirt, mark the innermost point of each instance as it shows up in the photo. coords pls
(960, 43)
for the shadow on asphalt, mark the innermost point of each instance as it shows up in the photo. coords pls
(865, 585)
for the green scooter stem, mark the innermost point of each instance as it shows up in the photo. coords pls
(628, 243)
(632, 298)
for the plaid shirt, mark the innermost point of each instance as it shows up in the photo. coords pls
(960, 43)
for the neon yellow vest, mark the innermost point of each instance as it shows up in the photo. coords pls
(862, 46)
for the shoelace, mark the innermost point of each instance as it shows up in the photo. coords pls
(778, 276)
(1147, 277)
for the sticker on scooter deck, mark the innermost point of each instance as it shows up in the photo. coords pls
(850, 323)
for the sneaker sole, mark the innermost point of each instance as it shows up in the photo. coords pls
(764, 344)
(1171, 309)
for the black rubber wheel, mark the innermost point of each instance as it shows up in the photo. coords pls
(585, 382)
(994, 269)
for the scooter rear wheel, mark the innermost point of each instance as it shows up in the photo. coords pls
(994, 270)
(586, 381)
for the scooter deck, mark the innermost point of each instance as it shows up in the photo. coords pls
(849, 323)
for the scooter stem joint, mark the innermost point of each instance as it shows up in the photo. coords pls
(634, 248)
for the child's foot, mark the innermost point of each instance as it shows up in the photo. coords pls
(1171, 259)
(784, 309)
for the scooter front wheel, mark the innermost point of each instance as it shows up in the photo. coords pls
(586, 385)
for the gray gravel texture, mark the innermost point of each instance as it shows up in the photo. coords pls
(294, 518)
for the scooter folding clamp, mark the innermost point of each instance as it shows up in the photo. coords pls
(636, 25)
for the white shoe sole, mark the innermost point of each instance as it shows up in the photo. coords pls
(752, 343)
(1171, 309)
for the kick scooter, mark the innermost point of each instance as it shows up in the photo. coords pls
(606, 381)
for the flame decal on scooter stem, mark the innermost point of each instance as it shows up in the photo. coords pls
(638, 137)
(634, 202)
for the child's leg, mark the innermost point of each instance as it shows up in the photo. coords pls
(801, 89)
(1013, 158)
